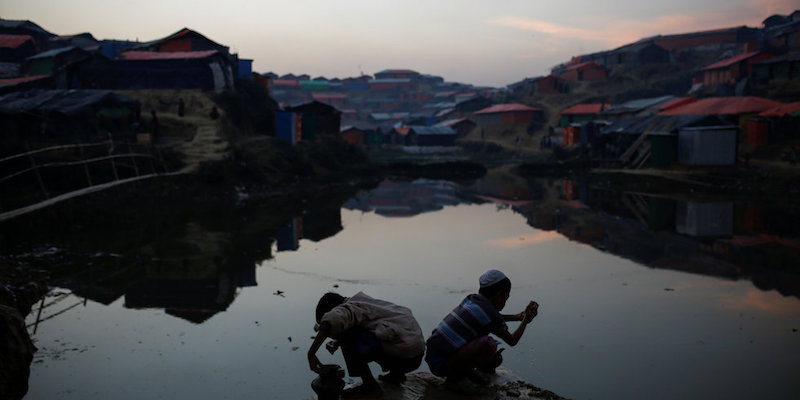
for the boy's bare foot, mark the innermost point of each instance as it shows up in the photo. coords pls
(393, 378)
(363, 392)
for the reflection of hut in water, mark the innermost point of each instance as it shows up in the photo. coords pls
(590, 235)
(194, 292)
(289, 235)
(704, 219)
(193, 299)
(322, 222)
(398, 199)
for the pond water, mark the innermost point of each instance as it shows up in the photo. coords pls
(220, 304)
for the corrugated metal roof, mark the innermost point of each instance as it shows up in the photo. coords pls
(586, 109)
(67, 102)
(53, 53)
(14, 81)
(732, 60)
(637, 105)
(724, 106)
(791, 109)
(154, 55)
(502, 108)
(432, 130)
(451, 122)
(677, 102)
(398, 80)
(285, 82)
(328, 96)
(14, 41)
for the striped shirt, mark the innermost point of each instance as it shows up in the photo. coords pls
(473, 318)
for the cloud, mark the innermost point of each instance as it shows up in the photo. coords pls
(525, 240)
(613, 31)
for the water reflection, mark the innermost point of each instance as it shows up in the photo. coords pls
(265, 262)
(714, 236)
(405, 199)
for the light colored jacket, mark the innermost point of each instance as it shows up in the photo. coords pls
(393, 325)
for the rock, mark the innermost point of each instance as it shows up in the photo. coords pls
(16, 351)
(505, 385)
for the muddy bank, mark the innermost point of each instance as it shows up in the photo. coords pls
(20, 288)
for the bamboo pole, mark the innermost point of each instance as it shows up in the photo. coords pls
(110, 153)
(36, 170)
(86, 167)
(135, 166)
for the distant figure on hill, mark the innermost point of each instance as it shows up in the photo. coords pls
(368, 330)
(181, 107)
(214, 114)
(460, 348)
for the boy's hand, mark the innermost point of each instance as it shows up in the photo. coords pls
(531, 311)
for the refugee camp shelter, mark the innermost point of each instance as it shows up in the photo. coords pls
(49, 62)
(636, 54)
(507, 114)
(581, 113)
(317, 119)
(207, 70)
(352, 134)
(25, 83)
(430, 136)
(288, 126)
(714, 145)
(19, 27)
(634, 107)
(786, 67)
(731, 70)
(16, 48)
(185, 40)
(462, 126)
(549, 84)
(587, 71)
(64, 116)
(653, 139)
(775, 125)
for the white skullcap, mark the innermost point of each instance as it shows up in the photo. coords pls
(491, 277)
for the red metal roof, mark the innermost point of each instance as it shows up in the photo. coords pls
(154, 55)
(782, 110)
(724, 106)
(677, 102)
(732, 60)
(182, 32)
(14, 41)
(586, 109)
(501, 108)
(285, 82)
(328, 96)
(14, 81)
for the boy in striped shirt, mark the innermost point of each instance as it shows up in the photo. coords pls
(460, 344)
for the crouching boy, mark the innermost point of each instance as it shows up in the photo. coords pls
(367, 330)
(460, 344)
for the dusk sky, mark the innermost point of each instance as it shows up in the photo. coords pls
(479, 42)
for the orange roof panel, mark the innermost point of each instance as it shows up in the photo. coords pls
(586, 109)
(724, 106)
(502, 108)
